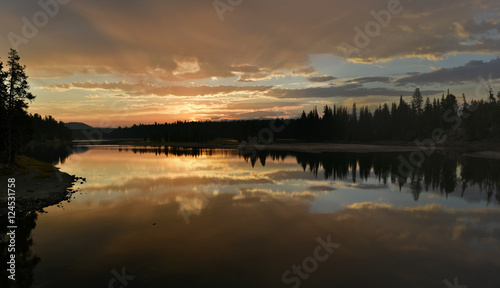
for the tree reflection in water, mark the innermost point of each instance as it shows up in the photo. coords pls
(439, 172)
(442, 171)
(25, 259)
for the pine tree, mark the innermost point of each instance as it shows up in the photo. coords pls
(14, 98)
(491, 95)
(417, 101)
(3, 108)
(354, 112)
(353, 124)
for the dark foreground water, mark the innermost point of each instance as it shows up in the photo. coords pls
(214, 218)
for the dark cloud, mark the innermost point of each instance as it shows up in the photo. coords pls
(305, 71)
(128, 37)
(260, 105)
(324, 78)
(348, 90)
(371, 80)
(473, 71)
(320, 188)
(365, 186)
(258, 114)
(413, 73)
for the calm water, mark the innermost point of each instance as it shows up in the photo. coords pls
(214, 218)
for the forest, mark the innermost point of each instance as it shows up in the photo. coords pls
(17, 126)
(459, 118)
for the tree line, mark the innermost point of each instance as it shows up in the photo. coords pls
(17, 127)
(200, 131)
(46, 128)
(461, 120)
(467, 121)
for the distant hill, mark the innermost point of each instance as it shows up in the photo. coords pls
(77, 126)
(82, 131)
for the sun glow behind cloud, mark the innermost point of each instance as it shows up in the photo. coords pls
(172, 60)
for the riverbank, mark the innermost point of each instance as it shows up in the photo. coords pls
(482, 149)
(38, 185)
(476, 149)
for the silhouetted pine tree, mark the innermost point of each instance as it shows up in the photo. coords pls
(14, 95)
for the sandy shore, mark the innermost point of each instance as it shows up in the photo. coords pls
(34, 192)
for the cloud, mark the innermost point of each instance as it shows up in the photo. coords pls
(143, 184)
(261, 105)
(306, 71)
(188, 41)
(245, 68)
(49, 72)
(109, 86)
(348, 90)
(186, 65)
(162, 41)
(203, 90)
(368, 206)
(145, 88)
(249, 193)
(253, 77)
(370, 80)
(324, 78)
(320, 188)
(413, 73)
(259, 114)
(470, 72)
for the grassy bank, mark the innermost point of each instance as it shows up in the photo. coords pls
(25, 165)
(38, 185)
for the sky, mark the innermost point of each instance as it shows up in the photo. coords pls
(117, 63)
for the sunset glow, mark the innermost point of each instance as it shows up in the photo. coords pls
(117, 63)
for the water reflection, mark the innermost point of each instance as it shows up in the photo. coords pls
(26, 260)
(53, 153)
(248, 224)
(250, 243)
(442, 172)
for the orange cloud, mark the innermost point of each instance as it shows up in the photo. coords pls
(187, 40)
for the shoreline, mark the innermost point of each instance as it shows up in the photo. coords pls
(291, 147)
(475, 149)
(34, 192)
